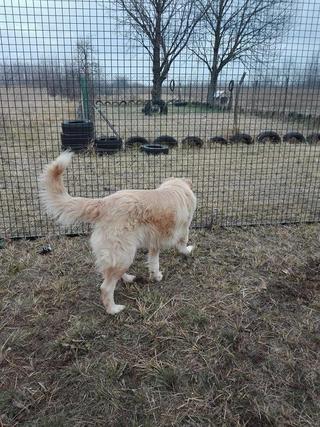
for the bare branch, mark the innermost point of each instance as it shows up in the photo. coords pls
(163, 28)
(239, 30)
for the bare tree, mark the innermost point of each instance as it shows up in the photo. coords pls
(83, 58)
(237, 30)
(163, 28)
(310, 75)
(87, 70)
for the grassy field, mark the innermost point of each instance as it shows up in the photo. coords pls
(235, 184)
(230, 337)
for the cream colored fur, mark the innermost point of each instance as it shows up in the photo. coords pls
(123, 222)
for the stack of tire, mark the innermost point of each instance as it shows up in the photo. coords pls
(108, 144)
(76, 135)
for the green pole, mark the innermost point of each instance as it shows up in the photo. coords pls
(84, 97)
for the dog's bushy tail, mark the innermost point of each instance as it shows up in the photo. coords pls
(58, 203)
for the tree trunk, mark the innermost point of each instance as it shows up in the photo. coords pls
(156, 88)
(236, 103)
(212, 87)
(156, 62)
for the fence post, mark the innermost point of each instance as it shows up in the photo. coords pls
(87, 97)
(84, 97)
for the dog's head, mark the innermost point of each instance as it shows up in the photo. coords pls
(178, 181)
(188, 182)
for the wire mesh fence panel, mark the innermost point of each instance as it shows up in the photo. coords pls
(231, 87)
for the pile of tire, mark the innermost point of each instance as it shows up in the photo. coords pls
(76, 135)
(108, 144)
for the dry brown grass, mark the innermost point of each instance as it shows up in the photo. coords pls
(234, 184)
(229, 338)
(263, 98)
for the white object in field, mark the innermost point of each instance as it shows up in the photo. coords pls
(221, 96)
(220, 93)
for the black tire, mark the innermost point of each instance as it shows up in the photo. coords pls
(313, 138)
(123, 103)
(218, 140)
(223, 100)
(294, 138)
(108, 143)
(155, 149)
(102, 146)
(140, 140)
(269, 136)
(105, 103)
(102, 151)
(242, 137)
(193, 141)
(72, 127)
(74, 148)
(180, 103)
(166, 139)
(75, 139)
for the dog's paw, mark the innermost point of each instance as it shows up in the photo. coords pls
(128, 278)
(158, 276)
(189, 249)
(115, 309)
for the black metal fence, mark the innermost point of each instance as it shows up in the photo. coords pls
(231, 86)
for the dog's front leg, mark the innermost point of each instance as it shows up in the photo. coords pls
(153, 264)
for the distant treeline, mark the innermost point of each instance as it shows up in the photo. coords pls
(64, 80)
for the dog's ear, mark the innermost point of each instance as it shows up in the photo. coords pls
(188, 181)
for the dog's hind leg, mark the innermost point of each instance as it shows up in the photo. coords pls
(182, 244)
(113, 262)
(111, 277)
(153, 264)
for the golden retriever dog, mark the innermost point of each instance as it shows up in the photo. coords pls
(123, 222)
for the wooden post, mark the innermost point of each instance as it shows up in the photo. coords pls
(254, 99)
(285, 95)
(236, 104)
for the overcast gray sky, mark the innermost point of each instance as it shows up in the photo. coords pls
(33, 30)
